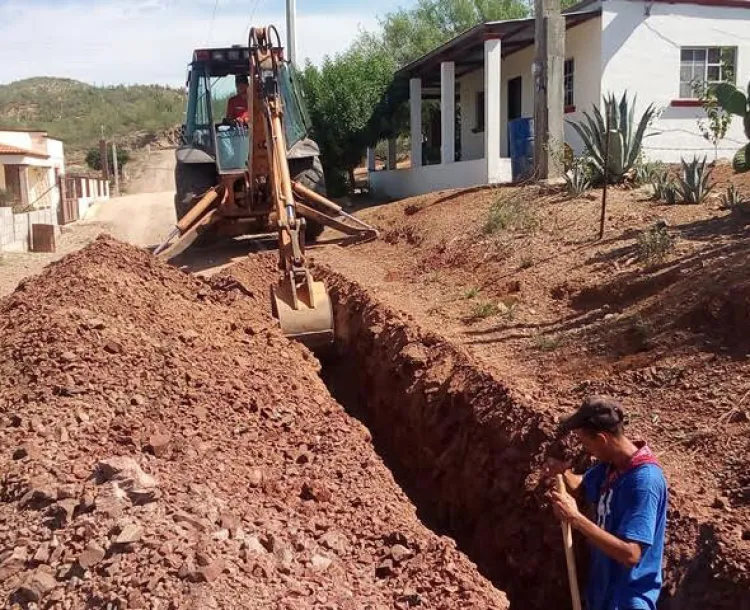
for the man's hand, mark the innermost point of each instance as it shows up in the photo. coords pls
(552, 467)
(564, 506)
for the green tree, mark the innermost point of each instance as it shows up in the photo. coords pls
(341, 96)
(94, 158)
(410, 33)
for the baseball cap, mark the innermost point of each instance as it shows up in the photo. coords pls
(597, 413)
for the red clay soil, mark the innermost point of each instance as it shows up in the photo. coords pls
(165, 447)
(552, 314)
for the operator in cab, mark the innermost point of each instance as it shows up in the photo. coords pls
(237, 104)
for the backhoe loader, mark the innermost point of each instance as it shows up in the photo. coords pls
(256, 172)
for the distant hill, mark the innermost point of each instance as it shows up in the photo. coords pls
(75, 112)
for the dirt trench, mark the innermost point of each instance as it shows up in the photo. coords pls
(467, 451)
(463, 447)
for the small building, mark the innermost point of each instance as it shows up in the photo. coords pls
(482, 79)
(30, 165)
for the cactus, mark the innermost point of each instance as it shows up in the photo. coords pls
(625, 138)
(695, 183)
(736, 102)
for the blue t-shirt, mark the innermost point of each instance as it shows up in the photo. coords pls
(634, 508)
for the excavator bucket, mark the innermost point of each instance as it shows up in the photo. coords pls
(305, 312)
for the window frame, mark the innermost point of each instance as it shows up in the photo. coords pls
(707, 64)
(479, 101)
(569, 77)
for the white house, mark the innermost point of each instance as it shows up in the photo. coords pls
(653, 49)
(30, 164)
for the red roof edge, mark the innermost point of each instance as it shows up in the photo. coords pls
(5, 149)
(724, 3)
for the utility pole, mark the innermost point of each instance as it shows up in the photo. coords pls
(548, 67)
(103, 157)
(291, 30)
(116, 170)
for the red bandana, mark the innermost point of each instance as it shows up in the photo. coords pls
(644, 455)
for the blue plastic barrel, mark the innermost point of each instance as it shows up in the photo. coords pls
(521, 144)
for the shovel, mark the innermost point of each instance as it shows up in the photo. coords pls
(567, 532)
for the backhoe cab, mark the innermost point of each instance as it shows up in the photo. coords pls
(216, 147)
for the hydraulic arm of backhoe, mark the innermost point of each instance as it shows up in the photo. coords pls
(301, 304)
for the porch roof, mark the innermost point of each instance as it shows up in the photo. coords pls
(467, 50)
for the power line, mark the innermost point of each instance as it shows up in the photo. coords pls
(256, 5)
(213, 20)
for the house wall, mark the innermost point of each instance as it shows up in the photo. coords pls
(582, 43)
(472, 144)
(400, 183)
(2, 177)
(641, 54)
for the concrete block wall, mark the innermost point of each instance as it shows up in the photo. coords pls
(15, 229)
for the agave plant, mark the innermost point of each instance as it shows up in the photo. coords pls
(578, 177)
(734, 201)
(624, 137)
(695, 183)
(669, 193)
(659, 179)
(736, 102)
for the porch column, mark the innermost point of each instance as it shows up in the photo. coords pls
(415, 103)
(447, 112)
(392, 153)
(370, 159)
(23, 178)
(492, 66)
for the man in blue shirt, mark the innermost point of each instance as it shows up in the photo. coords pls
(628, 489)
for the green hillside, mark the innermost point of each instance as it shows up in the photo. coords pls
(75, 112)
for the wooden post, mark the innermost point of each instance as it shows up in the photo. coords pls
(606, 177)
(116, 169)
(104, 159)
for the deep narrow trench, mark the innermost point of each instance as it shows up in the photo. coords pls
(456, 442)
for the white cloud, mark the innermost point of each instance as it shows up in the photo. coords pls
(147, 41)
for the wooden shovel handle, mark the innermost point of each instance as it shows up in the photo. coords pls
(567, 532)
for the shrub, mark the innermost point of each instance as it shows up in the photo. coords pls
(547, 343)
(471, 292)
(484, 309)
(734, 201)
(509, 212)
(655, 244)
(5, 199)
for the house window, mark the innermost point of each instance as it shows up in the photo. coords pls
(568, 70)
(479, 112)
(711, 65)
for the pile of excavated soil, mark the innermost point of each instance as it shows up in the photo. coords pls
(163, 446)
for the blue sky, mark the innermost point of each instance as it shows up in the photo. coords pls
(150, 41)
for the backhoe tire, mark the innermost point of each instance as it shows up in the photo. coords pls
(191, 181)
(308, 171)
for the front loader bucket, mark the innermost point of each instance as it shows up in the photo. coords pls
(311, 322)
